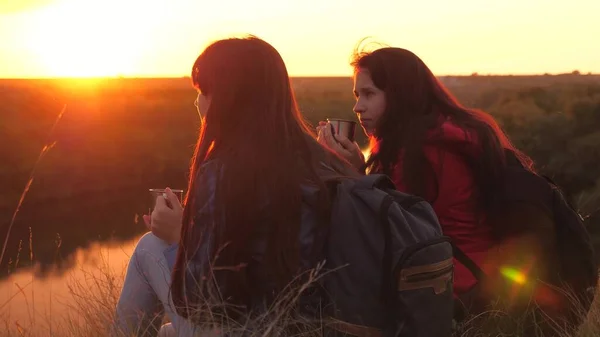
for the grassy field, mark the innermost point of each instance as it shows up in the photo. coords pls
(119, 137)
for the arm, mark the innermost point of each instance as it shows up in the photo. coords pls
(452, 192)
(450, 189)
(455, 202)
(457, 209)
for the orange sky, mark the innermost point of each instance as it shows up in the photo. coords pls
(48, 38)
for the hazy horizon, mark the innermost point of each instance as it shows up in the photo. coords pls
(150, 77)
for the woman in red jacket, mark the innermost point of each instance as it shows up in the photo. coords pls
(431, 146)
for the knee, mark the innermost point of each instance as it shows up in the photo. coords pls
(151, 243)
(149, 253)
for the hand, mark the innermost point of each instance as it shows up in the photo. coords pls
(341, 145)
(165, 222)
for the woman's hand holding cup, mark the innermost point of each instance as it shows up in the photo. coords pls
(166, 218)
(340, 144)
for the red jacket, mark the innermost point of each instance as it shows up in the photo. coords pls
(455, 199)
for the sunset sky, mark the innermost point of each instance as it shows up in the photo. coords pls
(49, 38)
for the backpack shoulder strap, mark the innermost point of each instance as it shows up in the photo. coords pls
(468, 262)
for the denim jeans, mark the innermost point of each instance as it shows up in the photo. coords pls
(145, 297)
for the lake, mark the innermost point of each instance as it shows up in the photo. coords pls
(66, 302)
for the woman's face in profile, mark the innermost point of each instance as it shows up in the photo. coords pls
(202, 102)
(370, 101)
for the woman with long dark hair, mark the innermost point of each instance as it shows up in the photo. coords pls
(452, 156)
(255, 164)
(256, 197)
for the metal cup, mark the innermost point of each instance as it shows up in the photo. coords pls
(160, 193)
(343, 127)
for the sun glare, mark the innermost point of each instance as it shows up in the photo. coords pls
(81, 38)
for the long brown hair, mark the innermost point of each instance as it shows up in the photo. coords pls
(416, 105)
(253, 128)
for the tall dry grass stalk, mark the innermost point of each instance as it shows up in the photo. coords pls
(47, 147)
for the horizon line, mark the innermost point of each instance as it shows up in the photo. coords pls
(474, 74)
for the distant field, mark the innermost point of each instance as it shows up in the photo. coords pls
(119, 137)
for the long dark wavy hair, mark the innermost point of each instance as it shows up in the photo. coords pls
(417, 103)
(254, 129)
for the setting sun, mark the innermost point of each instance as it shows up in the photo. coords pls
(76, 38)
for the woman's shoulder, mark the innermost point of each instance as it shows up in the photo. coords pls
(211, 166)
(450, 143)
(449, 151)
(440, 154)
(207, 176)
(210, 170)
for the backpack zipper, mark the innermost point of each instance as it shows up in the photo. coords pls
(437, 276)
(428, 275)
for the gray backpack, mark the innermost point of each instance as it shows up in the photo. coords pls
(388, 268)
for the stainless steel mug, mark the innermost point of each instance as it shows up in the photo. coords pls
(343, 127)
(160, 193)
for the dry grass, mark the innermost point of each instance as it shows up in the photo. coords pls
(93, 290)
(496, 323)
(88, 309)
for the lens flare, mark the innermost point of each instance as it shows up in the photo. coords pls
(514, 275)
